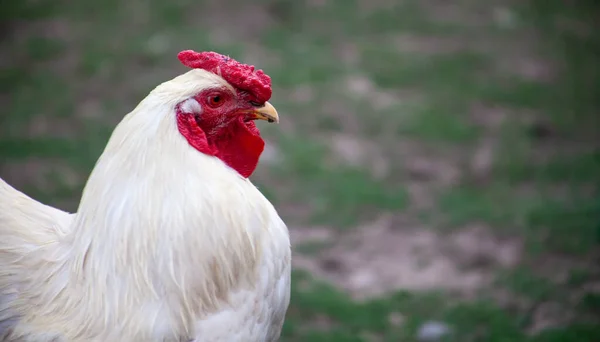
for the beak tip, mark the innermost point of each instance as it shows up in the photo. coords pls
(269, 113)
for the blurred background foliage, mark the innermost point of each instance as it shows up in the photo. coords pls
(437, 162)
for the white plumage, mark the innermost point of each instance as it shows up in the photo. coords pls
(168, 244)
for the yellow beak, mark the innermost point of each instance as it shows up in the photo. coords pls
(266, 112)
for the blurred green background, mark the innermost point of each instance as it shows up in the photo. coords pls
(437, 161)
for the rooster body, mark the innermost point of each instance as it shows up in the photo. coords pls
(168, 244)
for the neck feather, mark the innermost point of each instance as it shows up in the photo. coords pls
(156, 215)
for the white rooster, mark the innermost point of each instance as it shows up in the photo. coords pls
(171, 241)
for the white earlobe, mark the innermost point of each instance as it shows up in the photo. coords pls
(191, 106)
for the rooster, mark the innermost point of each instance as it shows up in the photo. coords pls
(171, 241)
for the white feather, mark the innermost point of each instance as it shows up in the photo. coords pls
(191, 106)
(168, 244)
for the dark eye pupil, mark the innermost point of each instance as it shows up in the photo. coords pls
(216, 99)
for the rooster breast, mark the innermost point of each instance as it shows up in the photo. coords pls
(252, 312)
(257, 313)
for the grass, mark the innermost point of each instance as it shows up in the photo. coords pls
(497, 100)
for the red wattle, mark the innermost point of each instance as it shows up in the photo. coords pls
(239, 145)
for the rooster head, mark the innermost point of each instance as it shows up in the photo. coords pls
(218, 119)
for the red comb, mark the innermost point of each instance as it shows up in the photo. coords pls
(241, 76)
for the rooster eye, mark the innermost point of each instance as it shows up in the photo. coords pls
(255, 104)
(215, 100)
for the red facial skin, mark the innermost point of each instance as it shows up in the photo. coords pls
(225, 129)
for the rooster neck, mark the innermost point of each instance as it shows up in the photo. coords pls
(160, 220)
